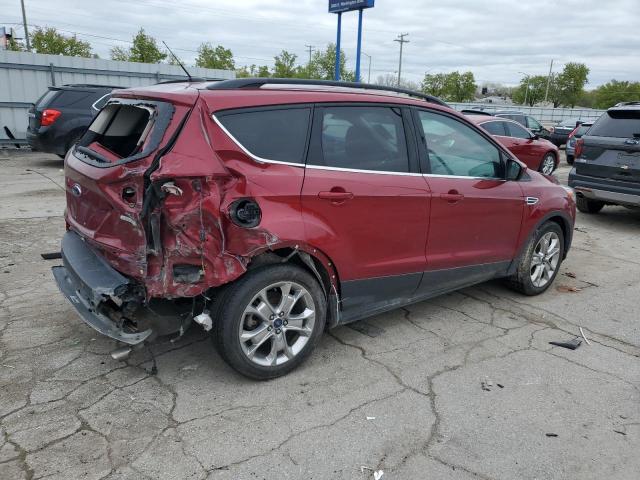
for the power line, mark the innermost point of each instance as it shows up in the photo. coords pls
(311, 48)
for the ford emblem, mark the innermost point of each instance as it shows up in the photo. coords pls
(76, 190)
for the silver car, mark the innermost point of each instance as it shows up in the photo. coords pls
(579, 131)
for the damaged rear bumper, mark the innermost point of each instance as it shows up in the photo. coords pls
(92, 285)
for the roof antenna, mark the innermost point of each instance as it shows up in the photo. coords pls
(178, 61)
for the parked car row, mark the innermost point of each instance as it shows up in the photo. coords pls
(267, 211)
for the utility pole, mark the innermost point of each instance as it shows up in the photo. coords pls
(24, 23)
(401, 41)
(311, 48)
(546, 95)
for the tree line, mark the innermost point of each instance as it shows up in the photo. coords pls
(566, 88)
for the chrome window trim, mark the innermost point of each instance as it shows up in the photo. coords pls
(93, 105)
(462, 176)
(356, 170)
(247, 152)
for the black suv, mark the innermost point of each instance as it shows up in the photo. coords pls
(60, 116)
(607, 161)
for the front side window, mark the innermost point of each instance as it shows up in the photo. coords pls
(518, 132)
(364, 138)
(533, 124)
(278, 134)
(455, 149)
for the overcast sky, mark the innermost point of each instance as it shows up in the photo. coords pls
(494, 39)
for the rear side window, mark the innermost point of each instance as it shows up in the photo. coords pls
(496, 128)
(279, 135)
(617, 123)
(119, 131)
(364, 138)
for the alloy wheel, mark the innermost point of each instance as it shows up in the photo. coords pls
(548, 164)
(545, 259)
(277, 324)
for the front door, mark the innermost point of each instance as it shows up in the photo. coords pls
(476, 215)
(365, 203)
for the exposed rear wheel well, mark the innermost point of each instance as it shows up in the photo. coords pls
(565, 227)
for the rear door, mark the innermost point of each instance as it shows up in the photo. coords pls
(476, 214)
(365, 203)
(611, 149)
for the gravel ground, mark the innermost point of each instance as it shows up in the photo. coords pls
(464, 386)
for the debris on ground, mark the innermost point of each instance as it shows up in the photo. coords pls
(553, 435)
(568, 289)
(621, 432)
(378, 475)
(570, 274)
(499, 385)
(190, 368)
(486, 385)
(584, 336)
(571, 345)
(51, 256)
(371, 418)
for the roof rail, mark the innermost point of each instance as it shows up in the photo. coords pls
(88, 85)
(259, 82)
(469, 111)
(183, 80)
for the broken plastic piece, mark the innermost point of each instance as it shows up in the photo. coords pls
(378, 475)
(51, 256)
(172, 189)
(583, 336)
(551, 435)
(204, 319)
(371, 418)
(571, 345)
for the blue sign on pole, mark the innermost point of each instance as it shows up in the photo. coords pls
(339, 6)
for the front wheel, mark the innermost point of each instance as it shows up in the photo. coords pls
(548, 164)
(540, 262)
(269, 321)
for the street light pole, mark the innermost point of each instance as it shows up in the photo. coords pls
(369, 57)
(401, 41)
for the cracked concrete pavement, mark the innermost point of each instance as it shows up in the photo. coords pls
(465, 386)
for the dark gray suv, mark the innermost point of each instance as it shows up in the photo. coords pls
(607, 161)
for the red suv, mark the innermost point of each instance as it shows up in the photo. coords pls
(269, 209)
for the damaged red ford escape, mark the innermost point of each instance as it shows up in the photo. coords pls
(267, 210)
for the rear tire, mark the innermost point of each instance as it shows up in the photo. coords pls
(268, 322)
(540, 262)
(586, 205)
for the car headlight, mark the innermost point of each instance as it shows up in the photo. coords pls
(571, 192)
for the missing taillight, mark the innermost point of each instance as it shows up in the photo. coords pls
(49, 116)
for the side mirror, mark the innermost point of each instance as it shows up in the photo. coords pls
(535, 137)
(514, 170)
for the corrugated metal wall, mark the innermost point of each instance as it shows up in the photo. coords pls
(24, 77)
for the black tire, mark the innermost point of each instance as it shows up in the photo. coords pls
(586, 205)
(570, 159)
(521, 281)
(229, 311)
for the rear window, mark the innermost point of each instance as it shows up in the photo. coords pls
(45, 99)
(617, 123)
(73, 99)
(119, 131)
(279, 135)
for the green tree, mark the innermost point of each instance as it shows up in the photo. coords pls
(48, 40)
(454, 86)
(215, 57)
(607, 95)
(261, 71)
(144, 50)
(285, 65)
(323, 63)
(531, 88)
(570, 83)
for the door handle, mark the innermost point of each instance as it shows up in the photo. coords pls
(335, 196)
(453, 196)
